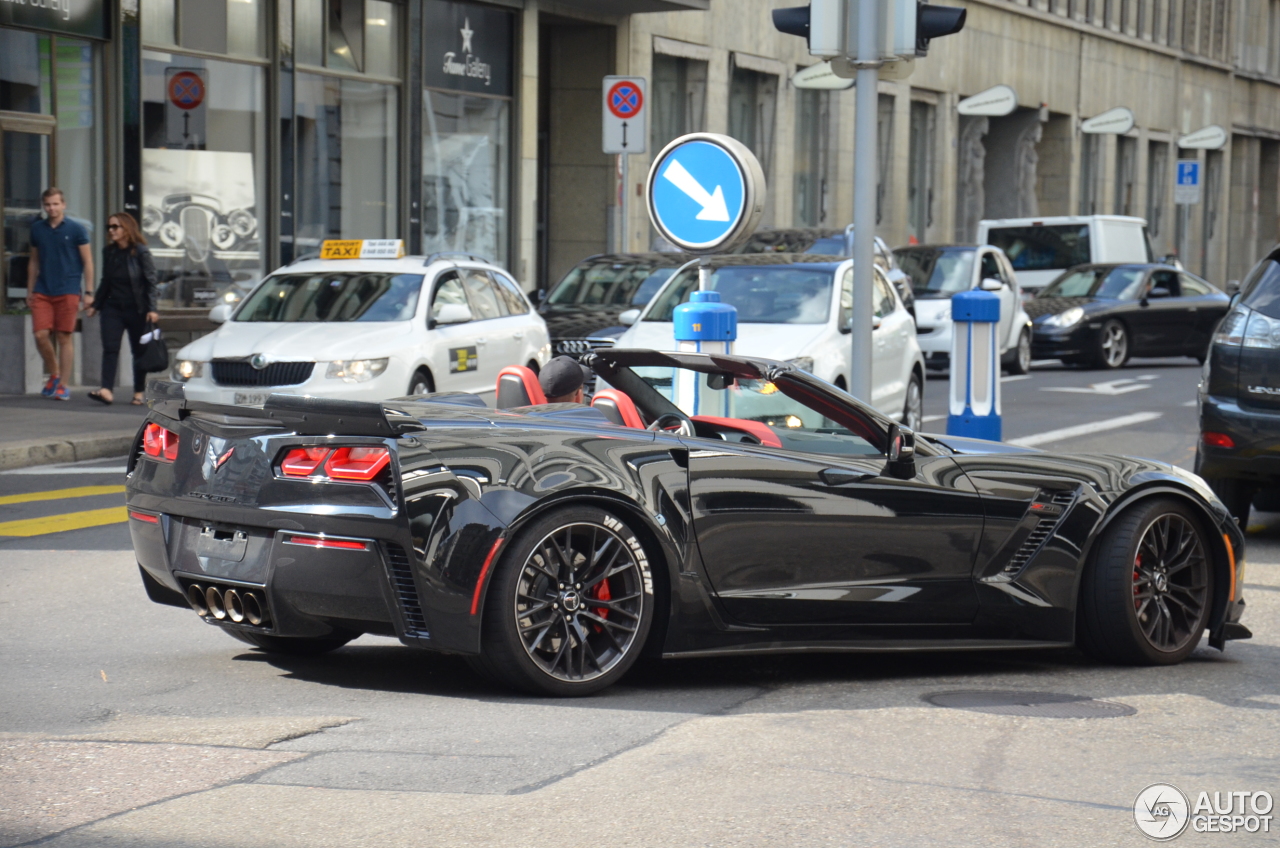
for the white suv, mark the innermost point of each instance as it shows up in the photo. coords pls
(789, 308)
(367, 329)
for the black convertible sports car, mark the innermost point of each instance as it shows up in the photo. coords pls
(554, 544)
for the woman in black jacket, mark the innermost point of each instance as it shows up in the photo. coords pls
(126, 297)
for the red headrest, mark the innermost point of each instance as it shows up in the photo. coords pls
(618, 408)
(517, 386)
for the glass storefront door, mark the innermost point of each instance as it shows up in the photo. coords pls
(24, 174)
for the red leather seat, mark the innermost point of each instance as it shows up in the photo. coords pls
(618, 408)
(518, 386)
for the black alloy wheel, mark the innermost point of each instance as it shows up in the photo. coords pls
(1146, 595)
(570, 605)
(1113, 345)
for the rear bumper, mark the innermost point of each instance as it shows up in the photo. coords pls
(1256, 455)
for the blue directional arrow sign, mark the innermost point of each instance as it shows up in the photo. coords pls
(698, 195)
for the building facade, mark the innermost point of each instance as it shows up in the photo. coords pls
(241, 133)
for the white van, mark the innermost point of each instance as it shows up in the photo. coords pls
(1042, 248)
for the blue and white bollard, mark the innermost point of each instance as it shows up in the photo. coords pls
(703, 325)
(975, 366)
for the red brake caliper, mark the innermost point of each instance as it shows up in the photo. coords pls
(1137, 575)
(602, 593)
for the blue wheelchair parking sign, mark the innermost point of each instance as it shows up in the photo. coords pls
(699, 194)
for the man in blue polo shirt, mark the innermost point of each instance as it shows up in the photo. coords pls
(60, 261)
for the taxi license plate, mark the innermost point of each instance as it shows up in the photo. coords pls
(250, 399)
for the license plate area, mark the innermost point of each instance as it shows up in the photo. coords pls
(228, 545)
(250, 398)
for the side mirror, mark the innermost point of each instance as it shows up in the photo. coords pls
(629, 317)
(991, 284)
(537, 296)
(221, 313)
(719, 381)
(902, 452)
(1235, 299)
(875, 322)
(1233, 286)
(1158, 291)
(452, 313)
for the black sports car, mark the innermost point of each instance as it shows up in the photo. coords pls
(555, 544)
(1103, 314)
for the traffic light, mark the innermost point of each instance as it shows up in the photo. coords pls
(821, 23)
(935, 22)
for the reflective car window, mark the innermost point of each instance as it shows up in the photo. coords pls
(1262, 288)
(609, 283)
(768, 294)
(1193, 287)
(484, 300)
(990, 267)
(936, 273)
(884, 297)
(1042, 248)
(1168, 281)
(511, 295)
(449, 291)
(333, 297)
(1120, 283)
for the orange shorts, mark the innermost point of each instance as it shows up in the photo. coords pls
(55, 312)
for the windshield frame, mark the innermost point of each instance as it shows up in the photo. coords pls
(265, 282)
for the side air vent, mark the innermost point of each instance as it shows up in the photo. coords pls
(406, 590)
(1042, 531)
(1064, 498)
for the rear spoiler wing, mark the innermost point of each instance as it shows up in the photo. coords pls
(306, 416)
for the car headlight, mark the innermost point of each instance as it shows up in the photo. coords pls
(804, 363)
(1062, 320)
(356, 370)
(186, 369)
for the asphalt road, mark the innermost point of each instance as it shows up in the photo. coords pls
(127, 723)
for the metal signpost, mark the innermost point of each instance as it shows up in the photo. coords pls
(626, 130)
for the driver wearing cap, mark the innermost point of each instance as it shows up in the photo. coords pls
(561, 380)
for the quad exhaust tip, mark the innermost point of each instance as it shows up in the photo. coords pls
(239, 606)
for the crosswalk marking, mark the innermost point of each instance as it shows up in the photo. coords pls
(59, 494)
(66, 521)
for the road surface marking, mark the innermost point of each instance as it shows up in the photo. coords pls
(59, 494)
(1192, 403)
(1015, 378)
(51, 470)
(1111, 388)
(67, 521)
(1085, 429)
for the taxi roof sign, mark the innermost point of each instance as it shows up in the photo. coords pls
(362, 249)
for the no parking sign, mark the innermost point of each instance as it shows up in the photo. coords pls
(626, 122)
(185, 94)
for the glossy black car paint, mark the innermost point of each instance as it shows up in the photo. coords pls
(1157, 326)
(754, 549)
(1240, 398)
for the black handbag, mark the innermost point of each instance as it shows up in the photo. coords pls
(154, 356)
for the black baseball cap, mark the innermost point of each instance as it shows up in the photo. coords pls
(561, 376)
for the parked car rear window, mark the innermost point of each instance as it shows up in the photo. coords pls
(1262, 288)
(333, 297)
(1043, 248)
(786, 294)
(936, 272)
(610, 283)
(1111, 283)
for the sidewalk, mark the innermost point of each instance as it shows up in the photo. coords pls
(35, 430)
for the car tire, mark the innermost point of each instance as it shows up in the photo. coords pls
(913, 408)
(1113, 345)
(1148, 588)
(292, 646)
(1236, 496)
(540, 631)
(422, 384)
(1019, 359)
(533, 366)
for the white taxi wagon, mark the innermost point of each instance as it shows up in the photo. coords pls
(365, 322)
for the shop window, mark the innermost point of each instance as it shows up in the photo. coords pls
(678, 97)
(159, 24)
(753, 104)
(347, 159)
(308, 32)
(356, 36)
(382, 38)
(236, 27)
(25, 70)
(885, 106)
(203, 188)
(1091, 174)
(813, 134)
(78, 162)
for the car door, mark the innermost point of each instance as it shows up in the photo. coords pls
(456, 353)
(1163, 324)
(1205, 307)
(792, 536)
(497, 349)
(890, 369)
(989, 268)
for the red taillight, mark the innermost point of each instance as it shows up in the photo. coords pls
(324, 542)
(303, 462)
(160, 443)
(361, 464)
(142, 516)
(1217, 440)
